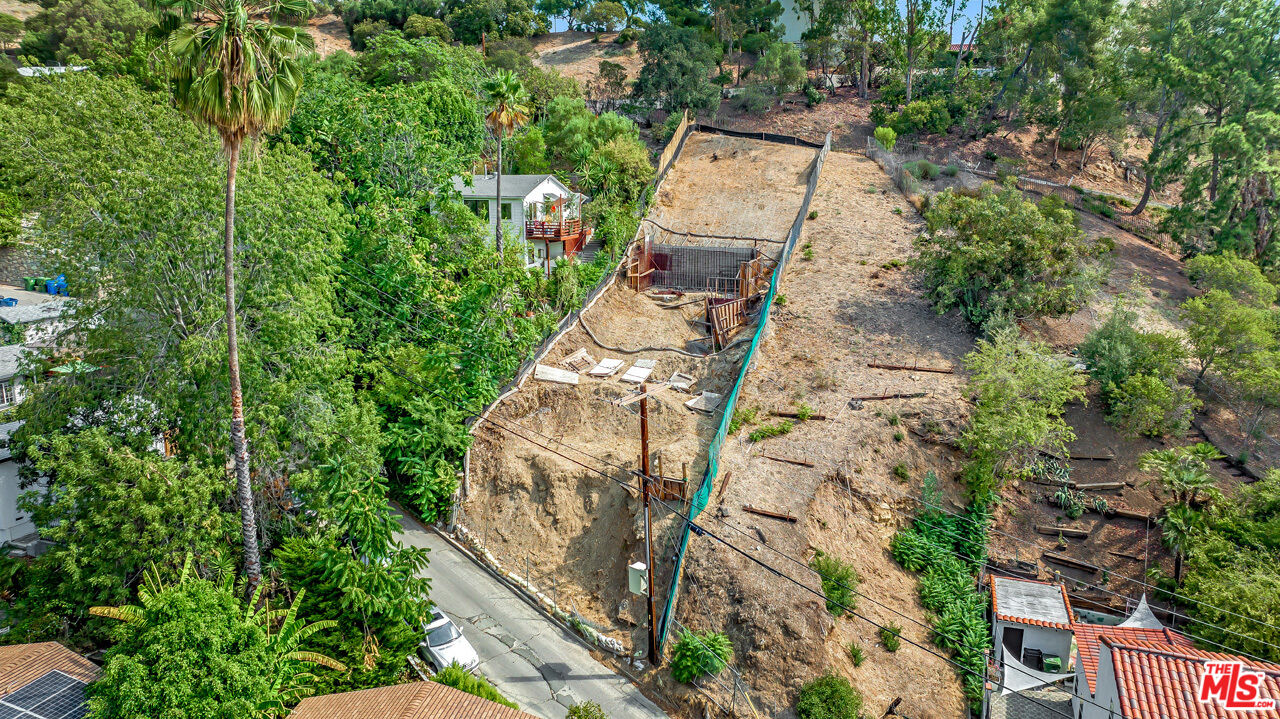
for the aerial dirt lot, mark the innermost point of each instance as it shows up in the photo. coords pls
(19, 9)
(574, 54)
(733, 186)
(843, 309)
(576, 529)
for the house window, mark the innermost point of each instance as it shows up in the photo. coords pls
(8, 393)
(480, 207)
(507, 211)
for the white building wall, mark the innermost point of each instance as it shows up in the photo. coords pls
(1051, 642)
(1105, 702)
(13, 523)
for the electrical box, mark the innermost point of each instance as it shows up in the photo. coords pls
(638, 578)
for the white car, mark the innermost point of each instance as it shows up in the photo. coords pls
(444, 644)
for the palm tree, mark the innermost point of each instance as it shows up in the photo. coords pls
(1178, 525)
(510, 111)
(1184, 471)
(233, 69)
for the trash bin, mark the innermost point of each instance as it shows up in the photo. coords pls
(29, 284)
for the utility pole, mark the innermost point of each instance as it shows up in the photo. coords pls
(654, 658)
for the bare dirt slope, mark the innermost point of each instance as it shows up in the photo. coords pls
(575, 55)
(19, 8)
(733, 186)
(330, 35)
(843, 309)
(576, 529)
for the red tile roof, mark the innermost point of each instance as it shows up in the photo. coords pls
(416, 700)
(1025, 620)
(21, 664)
(1157, 680)
(1089, 642)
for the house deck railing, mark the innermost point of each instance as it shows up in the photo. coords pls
(543, 230)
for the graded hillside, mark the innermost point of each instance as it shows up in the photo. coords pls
(575, 530)
(578, 54)
(851, 304)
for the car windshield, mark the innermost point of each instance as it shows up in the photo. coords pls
(442, 635)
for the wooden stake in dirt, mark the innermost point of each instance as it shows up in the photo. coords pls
(796, 415)
(769, 513)
(787, 460)
(1069, 562)
(654, 657)
(911, 368)
(724, 485)
(1054, 531)
(896, 395)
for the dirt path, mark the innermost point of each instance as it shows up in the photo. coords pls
(843, 309)
(330, 35)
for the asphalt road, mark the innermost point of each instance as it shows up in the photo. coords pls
(529, 658)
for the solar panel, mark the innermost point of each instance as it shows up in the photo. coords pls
(53, 696)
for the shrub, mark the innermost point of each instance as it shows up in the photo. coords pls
(755, 99)
(891, 637)
(462, 680)
(366, 30)
(781, 67)
(829, 697)
(856, 654)
(586, 710)
(1069, 500)
(922, 170)
(422, 26)
(1138, 373)
(886, 137)
(1000, 253)
(991, 155)
(929, 116)
(839, 582)
(951, 170)
(699, 653)
(770, 430)
(812, 96)
(900, 471)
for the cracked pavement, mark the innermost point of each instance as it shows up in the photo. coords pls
(529, 658)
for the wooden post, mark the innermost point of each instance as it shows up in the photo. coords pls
(654, 659)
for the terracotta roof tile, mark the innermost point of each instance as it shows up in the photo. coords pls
(21, 664)
(1003, 616)
(1157, 680)
(416, 700)
(1089, 642)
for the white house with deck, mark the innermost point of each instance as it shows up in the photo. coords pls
(538, 208)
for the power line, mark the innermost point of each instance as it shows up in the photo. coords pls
(418, 331)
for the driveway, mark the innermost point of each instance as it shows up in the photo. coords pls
(529, 658)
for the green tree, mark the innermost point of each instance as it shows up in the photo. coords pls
(999, 253)
(10, 30)
(1254, 382)
(603, 16)
(1232, 274)
(472, 19)
(79, 30)
(782, 67)
(1219, 326)
(509, 111)
(1178, 527)
(676, 71)
(109, 509)
(1222, 153)
(192, 649)
(142, 187)
(392, 59)
(423, 26)
(913, 33)
(240, 75)
(1021, 389)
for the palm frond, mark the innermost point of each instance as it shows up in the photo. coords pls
(127, 613)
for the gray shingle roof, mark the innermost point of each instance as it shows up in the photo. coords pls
(1020, 600)
(10, 359)
(516, 186)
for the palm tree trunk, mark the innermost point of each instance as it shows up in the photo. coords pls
(1177, 568)
(239, 444)
(497, 223)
